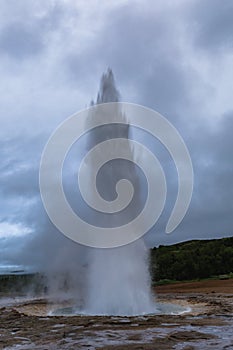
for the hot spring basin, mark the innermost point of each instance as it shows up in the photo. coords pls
(161, 308)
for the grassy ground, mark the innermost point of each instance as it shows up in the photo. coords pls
(220, 277)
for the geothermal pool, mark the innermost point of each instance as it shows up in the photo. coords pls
(160, 308)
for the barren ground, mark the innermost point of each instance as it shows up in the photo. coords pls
(26, 325)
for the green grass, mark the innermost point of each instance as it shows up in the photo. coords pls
(167, 281)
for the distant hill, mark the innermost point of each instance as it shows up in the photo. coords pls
(192, 260)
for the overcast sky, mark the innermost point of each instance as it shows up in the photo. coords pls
(173, 56)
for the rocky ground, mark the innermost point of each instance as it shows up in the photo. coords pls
(26, 324)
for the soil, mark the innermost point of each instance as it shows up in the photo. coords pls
(26, 325)
(207, 286)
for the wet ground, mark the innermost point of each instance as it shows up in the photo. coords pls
(25, 324)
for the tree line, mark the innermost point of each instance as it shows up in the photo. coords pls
(192, 260)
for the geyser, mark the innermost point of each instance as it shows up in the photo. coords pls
(100, 281)
(118, 279)
(114, 278)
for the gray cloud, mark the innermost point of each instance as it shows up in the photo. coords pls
(212, 24)
(29, 29)
(20, 41)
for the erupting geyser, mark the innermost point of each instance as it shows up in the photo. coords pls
(118, 279)
(121, 193)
